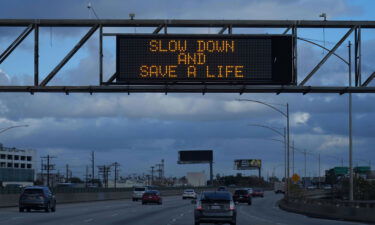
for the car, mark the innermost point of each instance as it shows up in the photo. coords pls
(242, 196)
(250, 190)
(222, 188)
(138, 193)
(312, 187)
(189, 193)
(258, 192)
(215, 207)
(38, 198)
(152, 196)
(327, 187)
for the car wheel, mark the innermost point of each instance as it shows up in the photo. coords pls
(54, 208)
(21, 209)
(196, 223)
(249, 203)
(143, 203)
(28, 210)
(183, 198)
(48, 208)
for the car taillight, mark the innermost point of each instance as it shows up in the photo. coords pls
(232, 206)
(199, 206)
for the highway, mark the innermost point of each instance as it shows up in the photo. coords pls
(174, 211)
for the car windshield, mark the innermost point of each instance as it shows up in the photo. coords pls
(33, 191)
(216, 196)
(241, 192)
(139, 189)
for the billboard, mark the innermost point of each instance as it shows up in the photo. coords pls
(195, 156)
(174, 58)
(247, 164)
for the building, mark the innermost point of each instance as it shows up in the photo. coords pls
(17, 165)
(196, 179)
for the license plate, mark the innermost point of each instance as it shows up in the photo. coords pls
(215, 207)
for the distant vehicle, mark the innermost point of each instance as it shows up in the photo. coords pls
(312, 187)
(13, 186)
(250, 190)
(327, 187)
(138, 193)
(189, 193)
(38, 198)
(279, 187)
(65, 185)
(258, 193)
(222, 188)
(152, 197)
(242, 196)
(215, 207)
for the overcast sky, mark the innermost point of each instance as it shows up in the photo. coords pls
(139, 130)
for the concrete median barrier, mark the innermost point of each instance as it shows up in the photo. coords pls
(353, 211)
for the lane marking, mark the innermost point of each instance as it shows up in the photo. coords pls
(114, 215)
(88, 220)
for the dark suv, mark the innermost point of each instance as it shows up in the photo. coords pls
(242, 196)
(215, 207)
(37, 197)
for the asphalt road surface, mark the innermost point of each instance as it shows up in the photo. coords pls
(174, 211)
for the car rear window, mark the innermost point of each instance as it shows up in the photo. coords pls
(139, 189)
(216, 196)
(151, 192)
(240, 192)
(33, 191)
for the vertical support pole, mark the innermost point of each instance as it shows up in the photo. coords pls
(293, 158)
(36, 55)
(305, 175)
(92, 167)
(47, 170)
(351, 186)
(230, 29)
(100, 55)
(165, 29)
(357, 57)
(259, 173)
(295, 35)
(285, 154)
(211, 174)
(288, 149)
(41, 170)
(319, 170)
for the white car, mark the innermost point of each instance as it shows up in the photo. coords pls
(138, 193)
(189, 193)
(250, 190)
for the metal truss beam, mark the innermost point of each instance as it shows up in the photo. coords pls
(69, 55)
(357, 56)
(325, 58)
(369, 79)
(188, 23)
(15, 43)
(187, 89)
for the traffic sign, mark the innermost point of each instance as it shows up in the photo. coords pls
(296, 178)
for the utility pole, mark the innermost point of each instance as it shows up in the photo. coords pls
(48, 167)
(152, 175)
(92, 167)
(319, 169)
(87, 176)
(105, 171)
(67, 174)
(116, 172)
(41, 170)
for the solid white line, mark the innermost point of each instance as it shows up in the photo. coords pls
(114, 215)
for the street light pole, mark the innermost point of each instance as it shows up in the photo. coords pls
(8, 128)
(351, 188)
(288, 134)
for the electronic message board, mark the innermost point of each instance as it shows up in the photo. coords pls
(247, 164)
(195, 156)
(239, 59)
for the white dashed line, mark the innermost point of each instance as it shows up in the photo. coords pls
(88, 220)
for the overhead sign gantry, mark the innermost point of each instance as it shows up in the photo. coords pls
(221, 63)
